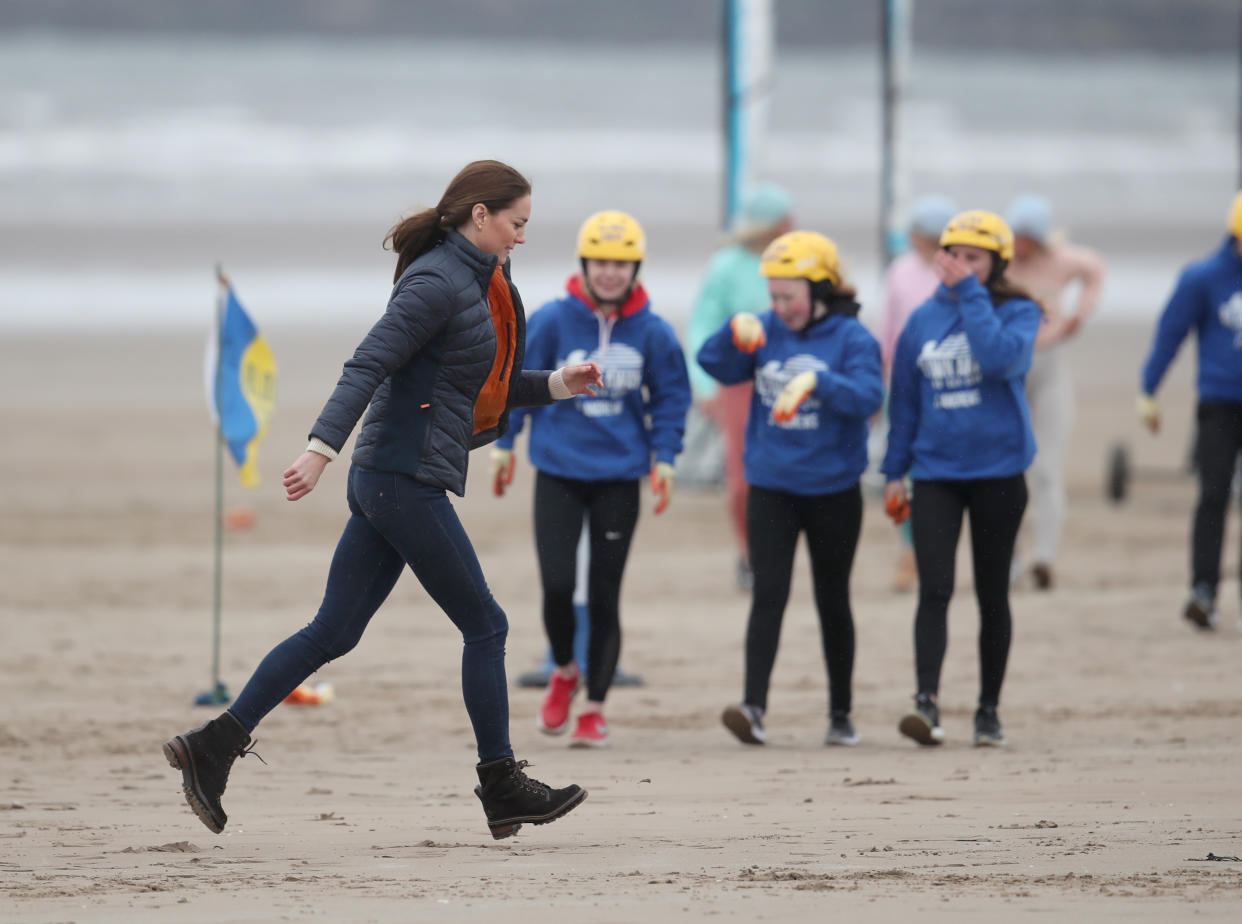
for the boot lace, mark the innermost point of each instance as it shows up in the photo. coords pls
(249, 749)
(521, 779)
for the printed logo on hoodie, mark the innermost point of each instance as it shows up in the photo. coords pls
(771, 379)
(622, 366)
(1231, 317)
(951, 368)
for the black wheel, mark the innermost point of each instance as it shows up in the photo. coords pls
(1117, 475)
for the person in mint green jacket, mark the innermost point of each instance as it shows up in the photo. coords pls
(733, 285)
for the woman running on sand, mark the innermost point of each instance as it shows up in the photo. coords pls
(440, 370)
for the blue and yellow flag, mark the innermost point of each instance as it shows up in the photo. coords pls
(241, 382)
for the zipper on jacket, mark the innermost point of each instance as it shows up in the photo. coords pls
(504, 367)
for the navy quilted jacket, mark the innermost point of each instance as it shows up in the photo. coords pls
(421, 368)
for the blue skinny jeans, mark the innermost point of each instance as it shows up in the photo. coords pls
(396, 521)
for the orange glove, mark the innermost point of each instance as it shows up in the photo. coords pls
(502, 470)
(792, 396)
(897, 506)
(662, 484)
(748, 334)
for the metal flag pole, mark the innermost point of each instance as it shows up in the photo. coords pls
(747, 45)
(218, 693)
(894, 57)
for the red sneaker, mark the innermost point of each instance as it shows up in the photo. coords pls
(554, 715)
(592, 732)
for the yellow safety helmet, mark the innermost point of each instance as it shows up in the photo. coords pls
(979, 229)
(611, 236)
(801, 255)
(1235, 217)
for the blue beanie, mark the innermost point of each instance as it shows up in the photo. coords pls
(929, 215)
(1030, 216)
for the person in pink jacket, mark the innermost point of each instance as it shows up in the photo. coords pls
(909, 281)
(1047, 266)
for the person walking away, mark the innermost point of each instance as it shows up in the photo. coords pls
(960, 427)
(908, 282)
(1208, 300)
(1047, 266)
(817, 379)
(591, 455)
(441, 371)
(731, 285)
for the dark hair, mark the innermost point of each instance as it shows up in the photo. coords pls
(490, 182)
(1001, 289)
(836, 299)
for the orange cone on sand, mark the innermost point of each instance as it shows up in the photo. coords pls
(307, 695)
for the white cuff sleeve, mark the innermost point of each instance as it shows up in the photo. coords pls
(319, 446)
(556, 385)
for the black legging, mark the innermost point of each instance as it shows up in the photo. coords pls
(832, 523)
(1216, 456)
(611, 509)
(995, 506)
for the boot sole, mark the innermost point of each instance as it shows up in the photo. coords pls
(178, 756)
(507, 827)
(735, 720)
(915, 727)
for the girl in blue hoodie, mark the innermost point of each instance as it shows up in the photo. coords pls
(1208, 299)
(960, 428)
(591, 456)
(817, 376)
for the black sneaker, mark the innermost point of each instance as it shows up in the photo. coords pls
(511, 798)
(746, 723)
(922, 724)
(988, 733)
(204, 757)
(1200, 609)
(841, 731)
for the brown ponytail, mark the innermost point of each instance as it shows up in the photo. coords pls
(497, 186)
(1002, 290)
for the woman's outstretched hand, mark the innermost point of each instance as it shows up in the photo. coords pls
(583, 378)
(301, 477)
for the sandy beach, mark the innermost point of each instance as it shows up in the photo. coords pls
(1120, 778)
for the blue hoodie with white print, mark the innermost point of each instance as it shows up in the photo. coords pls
(639, 416)
(823, 449)
(957, 408)
(1208, 298)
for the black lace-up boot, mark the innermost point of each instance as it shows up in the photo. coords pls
(511, 798)
(204, 757)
